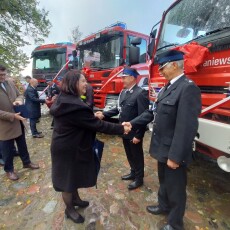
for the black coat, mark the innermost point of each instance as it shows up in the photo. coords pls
(176, 122)
(75, 127)
(53, 90)
(131, 105)
(32, 102)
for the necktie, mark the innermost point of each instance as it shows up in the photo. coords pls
(167, 85)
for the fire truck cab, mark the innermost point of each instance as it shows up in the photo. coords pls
(102, 56)
(207, 23)
(48, 60)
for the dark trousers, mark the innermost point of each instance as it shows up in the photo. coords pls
(14, 150)
(8, 152)
(33, 127)
(135, 156)
(0, 149)
(52, 123)
(172, 193)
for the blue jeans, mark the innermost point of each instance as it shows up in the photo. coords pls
(33, 126)
(8, 152)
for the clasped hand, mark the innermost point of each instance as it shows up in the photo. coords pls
(127, 125)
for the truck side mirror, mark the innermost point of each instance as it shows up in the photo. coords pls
(136, 41)
(74, 53)
(151, 45)
(153, 34)
(134, 54)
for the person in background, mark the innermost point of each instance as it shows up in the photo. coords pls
(53, 89)
(176, 113)
(33, 105)
(27, 79)
(132, 102)
(75, 127)
(12, 128)
(52, 93)
(88, 98)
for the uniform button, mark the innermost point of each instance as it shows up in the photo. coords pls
(154, 134)
(167, 102)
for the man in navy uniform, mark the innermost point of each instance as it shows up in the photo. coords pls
(175, 125)
(132, 102)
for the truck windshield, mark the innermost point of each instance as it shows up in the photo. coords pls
(103, 52)
(191, 19)
(49, 59)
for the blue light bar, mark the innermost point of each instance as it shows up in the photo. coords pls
(120, 24)
(64, 43)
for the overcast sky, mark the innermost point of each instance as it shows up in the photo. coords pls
(93, 15)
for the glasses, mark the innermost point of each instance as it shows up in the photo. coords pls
(162, 66)
(2, 74)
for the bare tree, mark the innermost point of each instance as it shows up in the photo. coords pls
(75, 35)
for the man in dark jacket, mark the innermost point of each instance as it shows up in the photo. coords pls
(33, 105)
(132, 102)
(175, 125)
(53, 89)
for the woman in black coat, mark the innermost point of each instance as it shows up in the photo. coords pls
(75, 128)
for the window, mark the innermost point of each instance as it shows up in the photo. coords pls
(188, 19)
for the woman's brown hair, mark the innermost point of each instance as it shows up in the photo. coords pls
(70, 81)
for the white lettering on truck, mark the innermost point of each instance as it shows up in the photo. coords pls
(216, 62)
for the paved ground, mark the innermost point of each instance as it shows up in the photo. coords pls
(31, 202)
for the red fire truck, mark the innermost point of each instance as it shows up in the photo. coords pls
(102, 56)
(207, 23)
(48, 60)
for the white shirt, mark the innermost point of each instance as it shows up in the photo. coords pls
(131, 88)
(3, 86)
(25, 85)
(175, 79)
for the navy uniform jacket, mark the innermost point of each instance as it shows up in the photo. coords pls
(176, 122)
(33, 103)
(130, 105)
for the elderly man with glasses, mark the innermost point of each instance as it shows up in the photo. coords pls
(177, 108)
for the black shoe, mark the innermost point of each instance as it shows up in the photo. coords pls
(31, 166)
(135, 184)
(156, 210)
(77, 220)
(38, 136)
(81, 203)
(128, 177)
(167, 227)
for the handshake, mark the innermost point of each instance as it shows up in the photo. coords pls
(127, 125)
